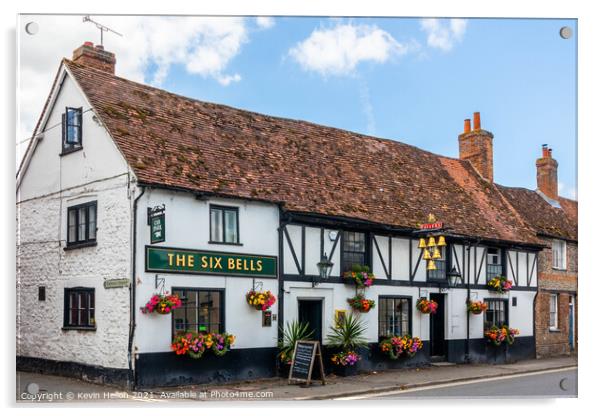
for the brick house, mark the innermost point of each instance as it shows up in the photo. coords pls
(555, 220)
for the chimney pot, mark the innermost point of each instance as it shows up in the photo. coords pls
(477, 120)
(466, 125)
(88, 43)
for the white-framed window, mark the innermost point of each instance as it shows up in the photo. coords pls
(553, 311)
(494, 262)
(559, 254)
(224, 225)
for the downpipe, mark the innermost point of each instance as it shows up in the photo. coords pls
(132, 382)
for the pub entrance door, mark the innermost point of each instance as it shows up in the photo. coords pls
(437, 332)
(310, 311)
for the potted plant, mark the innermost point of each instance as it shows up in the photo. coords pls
(262, 301)
(347, 338)
(476, 307)
(426, 306)
(293, 332)
(394, 347)
(360, 276)
(162, 304)
(360, 303)
(499, 284)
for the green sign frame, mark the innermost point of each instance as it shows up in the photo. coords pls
(188, 261)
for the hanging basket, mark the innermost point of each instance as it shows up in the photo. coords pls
(477, 307)
(162, 304)
(426, 306)
(261, 301)
(360, 304)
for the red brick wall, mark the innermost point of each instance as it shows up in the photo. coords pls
(564, 283)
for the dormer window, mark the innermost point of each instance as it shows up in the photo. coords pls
(72, 129)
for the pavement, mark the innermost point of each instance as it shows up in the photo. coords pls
(279, 389)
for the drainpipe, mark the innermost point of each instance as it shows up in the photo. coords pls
(534, 317)
(467, 342)
(133, 292)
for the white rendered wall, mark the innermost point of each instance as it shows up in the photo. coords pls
(187, 226)
(42, 261)
(99, 159)
(50, 184)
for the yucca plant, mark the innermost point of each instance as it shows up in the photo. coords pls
(348, 336)
(294, 331)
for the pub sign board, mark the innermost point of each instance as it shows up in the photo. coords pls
(156, 220)
(187, 261)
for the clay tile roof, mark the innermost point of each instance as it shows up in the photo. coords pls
(543, 217)
(173, 141)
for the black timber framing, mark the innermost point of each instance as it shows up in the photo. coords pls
(340, 224)
(514, 278)
(530, 278)
(387, 282)
(350, 224)
(292, 249)
(380, 256)
(478, 275)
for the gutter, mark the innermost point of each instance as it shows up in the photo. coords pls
(133, 294)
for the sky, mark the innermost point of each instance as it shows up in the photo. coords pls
(407, 79)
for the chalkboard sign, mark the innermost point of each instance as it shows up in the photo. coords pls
(304, 357)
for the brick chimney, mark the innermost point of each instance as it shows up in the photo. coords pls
(95, 56)
(476, 146)
(547, 173)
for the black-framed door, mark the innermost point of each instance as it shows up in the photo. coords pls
(437, 327)
(310, 311)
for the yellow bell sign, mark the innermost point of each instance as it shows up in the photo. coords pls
(426, 255)
(432, 242)
(436, 254)
(431, 265)
(422, 243)
(441, 241)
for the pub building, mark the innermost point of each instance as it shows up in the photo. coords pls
(139, 192)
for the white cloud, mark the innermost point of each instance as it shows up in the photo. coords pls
(149, 48)
(228, 79)
(443, 33)
(264, 22)
(338, 50)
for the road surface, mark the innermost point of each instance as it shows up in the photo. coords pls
(544, 384)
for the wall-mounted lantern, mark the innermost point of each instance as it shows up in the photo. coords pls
(454, 277)
(324, 268)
